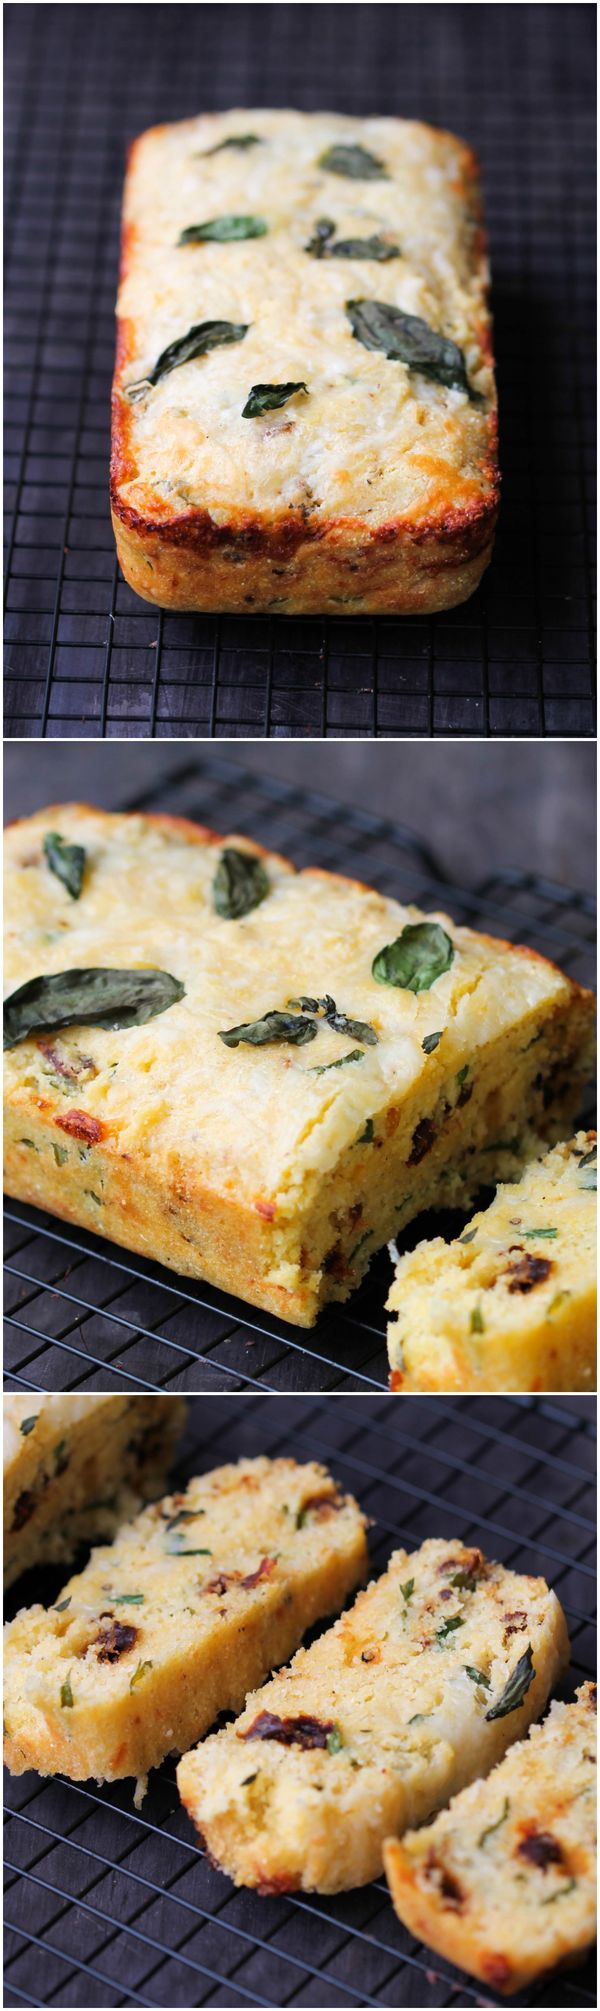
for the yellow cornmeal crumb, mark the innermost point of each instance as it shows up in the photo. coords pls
(511, 1304)
(393, 1709)
(504, 1881)
(193, 1602)
(77, 1466)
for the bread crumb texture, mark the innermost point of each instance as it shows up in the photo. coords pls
(511, 1303)
(504, 1881)
(438, 1666)
(77, 1466)
(194, 1601)
(373, 481)
(274, 1167)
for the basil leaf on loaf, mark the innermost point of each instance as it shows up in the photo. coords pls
(406, 338)
(320, 245)
(272, 1027)
(224, 230)
(238, 140)
(200, 339)
(67, 862)
(96, 997)
(240, 884)
(267, 397)
(420, 955)
(354, 161)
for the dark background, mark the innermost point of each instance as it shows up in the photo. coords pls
(84, 654)
(512, 806)
(108, 1906)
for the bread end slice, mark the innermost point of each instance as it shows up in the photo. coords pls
(503, 1883)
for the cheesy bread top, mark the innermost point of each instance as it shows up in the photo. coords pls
(279, 226)
(265, 1118)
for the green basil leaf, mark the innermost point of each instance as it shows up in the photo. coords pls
(320, 246)
(353, 161)
(28, 1423)
(98, 997)
(272, 1027)
(476, 1322)
(407, 1590)
(366, 1137)
(407, 339)
(540, 1232)
(356, 1054)
(66, 1694)
(563, 1890)
(431, 1041)
(62, 1607)
(493, 1826)
(128, 1598)
(239, 885)
(184, 1515)
(139, 1673)
(416, 959)
(67, 862)
(449, 1627)
(357, 1029)
(477, 1676)
(334, 1741)
(268, 397)
(224, 230)
(516, 1688)
(375, 247)
(323, 230)
(238, 140)
(200, 339)
(589, 1158)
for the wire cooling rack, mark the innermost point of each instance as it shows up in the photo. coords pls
(81, 1313)
(84, 654)
(106, 1906)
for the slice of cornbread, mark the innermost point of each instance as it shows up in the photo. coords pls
(319, 1065)
(422, 1686)
(510, 1305)
(77, 1466)
(193, 1602)
(504, 1881)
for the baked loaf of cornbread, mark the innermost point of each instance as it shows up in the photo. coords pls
(195, 1601)
(420, 1687)
(504, 1881)
(276, 1070)
(77, 1466)
(304, 412)
(511, 1304)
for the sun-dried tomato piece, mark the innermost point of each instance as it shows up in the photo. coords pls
(540, 1848)
(303, 1731)
(79, 1125)
(114, 1641)
(527, 1272)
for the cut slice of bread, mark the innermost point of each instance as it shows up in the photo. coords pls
(77, 1466)
(504, 1882)
(195, 1601)
(511, 1304)
(422, 1686)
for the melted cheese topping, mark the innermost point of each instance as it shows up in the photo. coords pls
(253, 1122)
(373, 440)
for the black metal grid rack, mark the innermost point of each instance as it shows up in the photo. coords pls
(108, 1906)
(84, 654)
(81, 1313)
